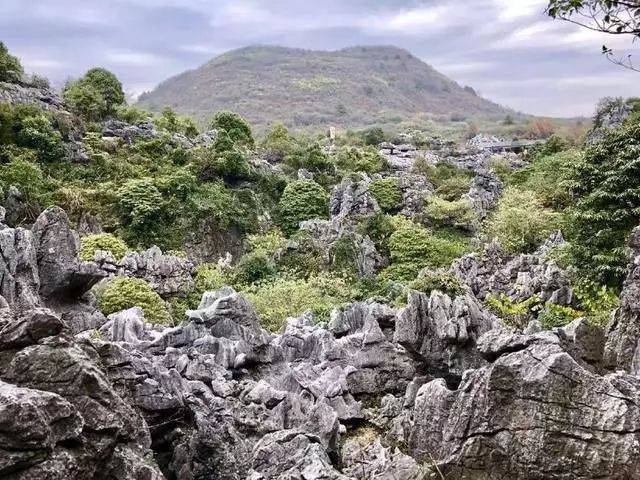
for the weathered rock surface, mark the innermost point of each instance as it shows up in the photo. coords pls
(438, 386)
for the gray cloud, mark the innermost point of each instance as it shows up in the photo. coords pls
(506, 49)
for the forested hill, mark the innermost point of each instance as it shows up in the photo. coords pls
(353, 87)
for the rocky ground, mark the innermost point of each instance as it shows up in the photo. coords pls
(437, 389)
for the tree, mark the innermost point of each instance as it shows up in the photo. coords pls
(236, 127)
(96, 95)
(616, 17)
(174, 123)
(302, 200)
(374, 136)
(606, 188)
(10, 67)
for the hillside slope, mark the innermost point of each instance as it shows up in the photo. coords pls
(352, 87)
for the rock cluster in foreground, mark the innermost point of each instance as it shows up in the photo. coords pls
(439, 388)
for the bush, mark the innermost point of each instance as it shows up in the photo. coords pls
(278, 142)
(26, 176)
(378, 227)
(235, 126)
(96, 95)
(302, 200)
(442, 213)
(453, 188)
(269, 242)
(207, 278)
(10, 67)
(387, 193)
(445, 282)
(514, 314)
(222, 160)
(171, 122)
(310, 157)
(90, 244)
(287, 297)
(605, 185)
(413, 248)
(253, 267)
(547, 176)
(521, 222)
(123, 292)
(553, 315)
(596, 301)
(367, 160)
(374, 136)
(343, 254)
(37, 133)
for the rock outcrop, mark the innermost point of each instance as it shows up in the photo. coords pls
(437, 388)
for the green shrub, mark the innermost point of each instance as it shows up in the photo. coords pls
(123, 292)
(287, 297)
(514, 314)
(171, 122)
(521, 222)
(343, 254)
(222, 160)
(96, 95)
(37, 133)
(310, 157)
(302, 200)
(351, 159)
(269, 242)
(441, 172)
(102, 241)
(378, 227)
(10, 67)
(413, 248)
(278, 142)
(207, 278)
(387, 193)
(141, 204)
(26, 176)
(596, 301)
(235, 126)
(374, 136)
(442, 213)
(253, 267)
(605, 185)
(547, 176)
(553, 315)
(445, 282)
(453, 188)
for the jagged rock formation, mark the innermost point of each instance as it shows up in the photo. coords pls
(519, 277)
(436, 387)
(117, 129)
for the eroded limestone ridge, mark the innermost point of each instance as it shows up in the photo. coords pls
(437, 389)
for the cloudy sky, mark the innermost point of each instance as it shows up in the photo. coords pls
(508, 50)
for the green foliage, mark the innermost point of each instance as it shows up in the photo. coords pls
(253, 267)
(443, 172)
(412, 248)
(222, 160)
(597, 301)
(310, 157)
(132, 114)
(25, 175)
(171, 122)
(28, 126)
(387, 193)
(453, 188)
(514, 314)
(302, 200)
(124, 292)
(290, 297)
(442, 213)
(343, 254)
(547, 176)
(235, 126)
(10, 67)
(378, 227)
(207, 278)
(141, 204)
(553, 315)
(374, 136)
(555, 144)
(351, 159)
(37, 133)
(278, 142)
(521, 222)
(606, 186)
(96, 95)
(269, 242)
(102, 241)
(443, 281)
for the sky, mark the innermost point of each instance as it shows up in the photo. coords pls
(508, 50)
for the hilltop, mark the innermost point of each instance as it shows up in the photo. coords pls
(353, 87)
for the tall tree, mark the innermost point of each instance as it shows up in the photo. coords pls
(615, 17)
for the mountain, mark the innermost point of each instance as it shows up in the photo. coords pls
(353, 87)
